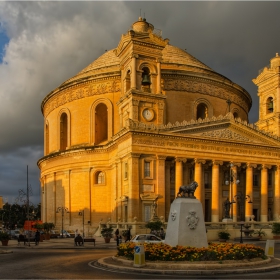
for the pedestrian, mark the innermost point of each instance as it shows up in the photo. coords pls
(161, 233)
(128, 235)
(76, 233)
(37, 237)
(78, 240)
(117, 236)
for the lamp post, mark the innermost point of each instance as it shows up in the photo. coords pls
(82, 213)
(241, 225)
(62, 210)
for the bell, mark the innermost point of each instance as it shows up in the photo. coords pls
(270, 106)
(146, 80)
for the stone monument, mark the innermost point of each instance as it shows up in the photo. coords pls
(186, 226)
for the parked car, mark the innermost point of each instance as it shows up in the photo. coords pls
(147, 238)
(68, 233)
(15, 234)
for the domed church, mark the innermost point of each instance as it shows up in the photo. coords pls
(145, 118)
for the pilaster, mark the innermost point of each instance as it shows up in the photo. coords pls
(161, 185)
(134, 187)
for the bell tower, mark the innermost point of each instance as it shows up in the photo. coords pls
(268, 83)
(140, 53)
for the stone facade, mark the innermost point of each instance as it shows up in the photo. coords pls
(144, 119)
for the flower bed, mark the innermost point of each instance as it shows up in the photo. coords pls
(214, 252)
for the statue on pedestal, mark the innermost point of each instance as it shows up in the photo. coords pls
(227, 204)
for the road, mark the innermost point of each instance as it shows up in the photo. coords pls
(79, 263)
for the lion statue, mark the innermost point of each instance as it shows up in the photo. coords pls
(189, 189)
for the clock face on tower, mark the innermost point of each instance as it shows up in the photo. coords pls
(148, 114)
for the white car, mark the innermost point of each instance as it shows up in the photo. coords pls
(147, 238)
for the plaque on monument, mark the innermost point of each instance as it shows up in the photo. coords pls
(186, 226)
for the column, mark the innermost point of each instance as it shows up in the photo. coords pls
(276, 201)
(133, 70)
(158, 77)
(167, 188)
(215, 202)
(249, 190)
(161, 186)
(233, 191)
(199, 193)
(264, 193)
(178, 174)
(133, 206)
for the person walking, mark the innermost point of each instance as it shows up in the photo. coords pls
(37, 237)
(128, 235)
(117, 236)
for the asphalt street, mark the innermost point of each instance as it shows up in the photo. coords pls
(60, 259)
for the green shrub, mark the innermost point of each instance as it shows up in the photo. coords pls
(275, 228)
(224, 235)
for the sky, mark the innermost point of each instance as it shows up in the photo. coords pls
(44, 43)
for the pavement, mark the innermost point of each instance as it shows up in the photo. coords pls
(226, 267)
(61, 243)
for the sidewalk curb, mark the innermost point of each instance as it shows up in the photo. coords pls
(203, 269)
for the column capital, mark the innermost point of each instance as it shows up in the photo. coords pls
(180, 159)
(265, 166)
(197, 160)
(159, 60)
(250, 165)
(217, 162)
(160, 157)
(134, 56)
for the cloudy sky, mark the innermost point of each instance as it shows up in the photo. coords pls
(44, 43)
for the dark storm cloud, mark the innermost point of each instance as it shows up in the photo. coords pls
(50, 42)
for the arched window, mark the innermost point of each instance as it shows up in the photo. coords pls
(100, 178)
(47, 139)
(269, 105)
(235, 115)
(63, 131)
(146, 80)
(202, 111)
(101, 123)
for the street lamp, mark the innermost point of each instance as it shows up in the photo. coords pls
(82, 213)
(241, 225)
(62, 210)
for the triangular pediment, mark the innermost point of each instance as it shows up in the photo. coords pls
(266, 74)
(227, 129)
(222, 128)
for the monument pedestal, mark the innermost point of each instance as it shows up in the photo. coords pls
(186, 226)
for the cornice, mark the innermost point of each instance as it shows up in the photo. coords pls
(195, 124)
(96, 87)
(208, 86)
